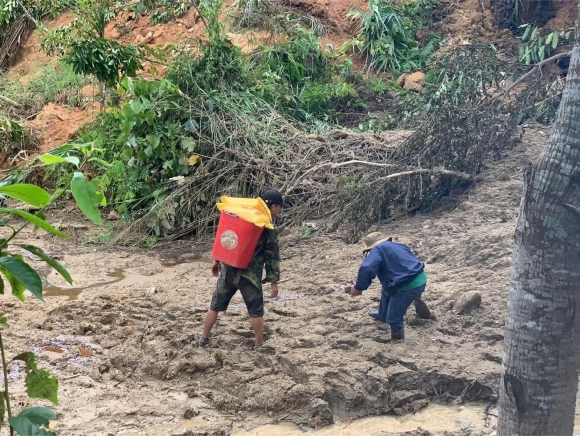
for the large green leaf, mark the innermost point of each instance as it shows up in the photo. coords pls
(29, 194)
(27, 357)
(51, 159)
(17, 287)
(24, 273)
(85, 194)
(35, 220)
(33, 421)
(53, 263)
(41, 384)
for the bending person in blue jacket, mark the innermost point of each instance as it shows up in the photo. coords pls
(402, 276)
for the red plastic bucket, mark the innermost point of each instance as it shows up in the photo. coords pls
(235, 241)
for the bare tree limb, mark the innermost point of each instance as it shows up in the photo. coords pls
(331, 165)
(334, 165)
(7, 100)
(30, 17)
(459, 175)
(532, 71)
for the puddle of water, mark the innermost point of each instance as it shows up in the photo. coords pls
(54, 349)
(166, 428)
(73, 293)
(434, 418)
(185, 258)
(85, 352)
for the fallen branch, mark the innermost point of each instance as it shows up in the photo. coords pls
(333, 165)
(7, 100)
(532, 71)
(456, 174)
(30, 17)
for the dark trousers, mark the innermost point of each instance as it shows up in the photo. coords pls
(394, 305)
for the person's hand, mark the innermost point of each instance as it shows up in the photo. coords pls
(216, 268)
(274, 287)
(353, 291)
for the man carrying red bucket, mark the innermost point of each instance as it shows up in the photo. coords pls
(247, 280)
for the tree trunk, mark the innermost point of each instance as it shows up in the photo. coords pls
(539, 373)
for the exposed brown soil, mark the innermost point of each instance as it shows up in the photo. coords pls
(125, 352)
(566, 13)
(59, 124)
(30, 56)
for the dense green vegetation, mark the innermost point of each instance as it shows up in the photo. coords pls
(156, 133)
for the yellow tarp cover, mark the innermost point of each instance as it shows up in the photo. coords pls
(253, 210)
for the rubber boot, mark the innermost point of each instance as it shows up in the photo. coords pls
(375, 315)
(422, 309)
(398, 335)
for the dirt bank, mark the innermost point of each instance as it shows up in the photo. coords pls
(125, 354)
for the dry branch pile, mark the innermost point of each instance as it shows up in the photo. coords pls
(340, 178)
(11, 38)
(343, 179)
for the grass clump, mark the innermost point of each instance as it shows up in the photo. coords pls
(51, 84)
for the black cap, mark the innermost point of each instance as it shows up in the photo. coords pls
(272, 197)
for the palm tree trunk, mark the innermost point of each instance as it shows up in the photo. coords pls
(539, 373)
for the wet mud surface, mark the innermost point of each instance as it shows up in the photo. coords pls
(122, 340)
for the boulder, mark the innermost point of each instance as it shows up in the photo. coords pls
(412, 82)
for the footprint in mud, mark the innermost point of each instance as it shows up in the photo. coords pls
(345, 344)
(284, 313)
(382, 338)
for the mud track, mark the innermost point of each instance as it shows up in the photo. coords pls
(123, 343)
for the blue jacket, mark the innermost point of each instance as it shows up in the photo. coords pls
(393, 263)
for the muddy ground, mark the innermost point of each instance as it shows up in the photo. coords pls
(123, 341)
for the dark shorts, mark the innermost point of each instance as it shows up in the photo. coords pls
(225, 290)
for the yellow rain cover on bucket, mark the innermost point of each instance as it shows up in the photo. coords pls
(252, 210)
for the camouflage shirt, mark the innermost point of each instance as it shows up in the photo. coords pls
(266, 254)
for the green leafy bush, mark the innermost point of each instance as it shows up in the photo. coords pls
(16, 272)
(296, 59)
(106, 59)
(82, 45)
(539, 44)
(162, 11)
(384, 36)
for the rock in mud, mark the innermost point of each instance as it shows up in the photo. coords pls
(400, 398)
(412, 82)
(113, 215)
(321, 413)
(467, 302)
(190, 413)
(489, 334)
(108, 318)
